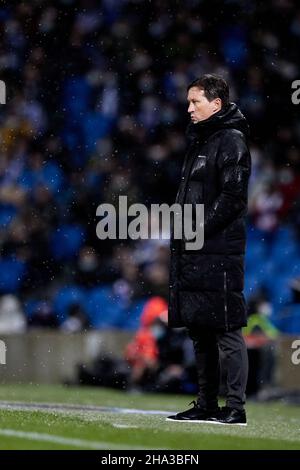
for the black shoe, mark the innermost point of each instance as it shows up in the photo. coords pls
(229, 416)
(195, 414)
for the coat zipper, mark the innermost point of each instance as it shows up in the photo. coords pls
(186, 171)
(225, 300)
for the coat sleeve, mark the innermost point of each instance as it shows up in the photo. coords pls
(234, 166)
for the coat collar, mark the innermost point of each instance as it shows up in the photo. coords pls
(227, 118)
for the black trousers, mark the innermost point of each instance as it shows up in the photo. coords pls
(208, 343)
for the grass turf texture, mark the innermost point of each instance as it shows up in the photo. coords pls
(270, 426)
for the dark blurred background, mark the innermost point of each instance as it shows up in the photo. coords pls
(96, 108)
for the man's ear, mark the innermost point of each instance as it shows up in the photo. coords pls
(217, 104)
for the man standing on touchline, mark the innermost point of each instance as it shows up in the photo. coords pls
(206, 286)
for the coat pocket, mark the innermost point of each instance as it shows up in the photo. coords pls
(202, 309)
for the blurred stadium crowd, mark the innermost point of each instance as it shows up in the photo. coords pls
(96, 108)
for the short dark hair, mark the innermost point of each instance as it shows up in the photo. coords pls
(214, 86)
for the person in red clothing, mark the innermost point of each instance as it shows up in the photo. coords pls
(142, 352)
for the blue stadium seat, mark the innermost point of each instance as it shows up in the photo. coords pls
(285, 235)
(289, 320)
(105, 310)
(132, 315)
(253, 283)
(76, 93)
(66, 241)
(255, 254)
(50, 176)
(234, 46)
(30, 306)
(7, 213)
(254, 234)
(12, 272)
(285, 254)
(279, 289)
(95, 126)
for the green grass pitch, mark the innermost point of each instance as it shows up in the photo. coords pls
(62, 426)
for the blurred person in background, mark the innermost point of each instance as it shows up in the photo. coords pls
(142, 352)
(12, 319)
(206, 286)
(260, 336)
(176, 371)
(76, 320)
(43, 316)
(265, 210)
(157, 355)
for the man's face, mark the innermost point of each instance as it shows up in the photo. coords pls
(199, 106)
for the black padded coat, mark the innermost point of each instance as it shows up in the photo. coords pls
(206, 286)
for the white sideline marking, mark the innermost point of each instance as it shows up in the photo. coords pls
(22, 406)
(125, 426)
(35, 436)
